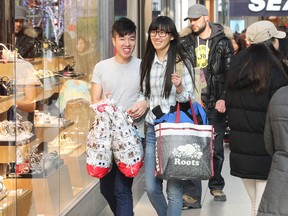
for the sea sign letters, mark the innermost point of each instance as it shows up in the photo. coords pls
(258, 7)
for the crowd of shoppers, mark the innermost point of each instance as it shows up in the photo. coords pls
(235, 80)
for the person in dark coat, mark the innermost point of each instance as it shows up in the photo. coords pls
(255, 74)
(275, 197)
(25, 41)
(209, 50)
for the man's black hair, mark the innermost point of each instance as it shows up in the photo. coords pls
(123, 26)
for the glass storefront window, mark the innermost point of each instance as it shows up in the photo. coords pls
(45, 94)
(45, 98)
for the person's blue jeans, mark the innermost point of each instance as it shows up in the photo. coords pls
(174, 195)
(193, 188)
(117, 190)
(154, 185)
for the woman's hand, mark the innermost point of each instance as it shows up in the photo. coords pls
(177, 82)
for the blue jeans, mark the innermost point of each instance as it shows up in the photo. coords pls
(193, 188)
(154, 186)
(116, 188)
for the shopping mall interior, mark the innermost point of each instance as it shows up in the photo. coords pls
(43, 150)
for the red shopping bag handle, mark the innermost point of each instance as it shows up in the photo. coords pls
(177, 119)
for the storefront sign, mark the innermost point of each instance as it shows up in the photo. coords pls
(258, 7)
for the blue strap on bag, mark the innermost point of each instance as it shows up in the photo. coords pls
(185, 116)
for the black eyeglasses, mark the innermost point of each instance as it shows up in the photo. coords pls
(153, 33)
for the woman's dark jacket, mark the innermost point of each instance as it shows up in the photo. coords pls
(220, 53)
(246, 119)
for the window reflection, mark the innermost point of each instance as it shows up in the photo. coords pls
(61, 53)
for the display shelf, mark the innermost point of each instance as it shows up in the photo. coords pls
(53, 190)
(8, 101)
(60, 124)
(17, 202)
(50, 81)
(45, 92)
(54, 64)
(46, 191)
(50, 133)
(45, 173)
(8, 149)
(57, 63)
(64, 76)
(13, 140)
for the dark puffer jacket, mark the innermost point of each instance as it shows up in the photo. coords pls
(220, 53)
(246, 119)
(275, 198)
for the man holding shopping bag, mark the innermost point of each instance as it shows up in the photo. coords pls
(119, 78)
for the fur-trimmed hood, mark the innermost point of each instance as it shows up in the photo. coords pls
(31, 32)
(186, 31)
(228, 32)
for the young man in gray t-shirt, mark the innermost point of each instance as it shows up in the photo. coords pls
(119, 77)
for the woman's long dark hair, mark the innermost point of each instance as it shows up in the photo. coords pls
(240, 42)
(258, 61)
(166, 24)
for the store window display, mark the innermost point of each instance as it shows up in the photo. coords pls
(20, 83)
(25, 144)
(59, 179)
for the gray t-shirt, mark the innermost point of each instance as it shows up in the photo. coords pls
(121, 80)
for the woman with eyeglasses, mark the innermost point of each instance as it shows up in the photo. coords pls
(161, 85)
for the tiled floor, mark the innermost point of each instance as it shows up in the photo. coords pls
(237, 203)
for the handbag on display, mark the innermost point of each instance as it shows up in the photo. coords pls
(184, 148)
(7, 54)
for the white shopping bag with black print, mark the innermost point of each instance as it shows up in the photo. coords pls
(117, 136)
(99, 139)
(127, 145)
